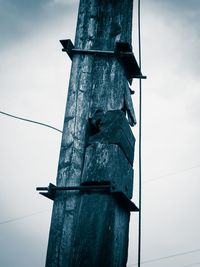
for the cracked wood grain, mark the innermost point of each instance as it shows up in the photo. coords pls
(96, 83)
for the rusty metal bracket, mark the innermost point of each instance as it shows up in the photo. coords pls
(89, 187)
(123, 52)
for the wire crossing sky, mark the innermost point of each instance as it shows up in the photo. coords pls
(23, 217)
(31, 121)
(167, 257)
(34, 77)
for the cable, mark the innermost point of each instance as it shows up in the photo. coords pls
(153, 179)
(167, 257)
(36, 122)
(172, 173)
(23, 217)
(194, 264)
(163, 176)
(140, 142)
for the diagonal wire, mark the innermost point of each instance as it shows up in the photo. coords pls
(167, 257)
(172, 173)
(23, 217)
(194, 264)
(19, 218)
(31, 121)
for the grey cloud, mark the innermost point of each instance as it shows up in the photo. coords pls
(18, 19)
(184, 11)
(178, 4)
(181, 18)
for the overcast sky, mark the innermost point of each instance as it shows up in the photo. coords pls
(34, 77)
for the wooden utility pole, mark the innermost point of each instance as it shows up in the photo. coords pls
(89, 227)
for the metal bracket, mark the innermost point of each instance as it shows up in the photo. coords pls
(51, 189)
(89, 187)
(123, 52)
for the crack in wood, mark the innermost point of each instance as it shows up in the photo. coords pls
(85, 233)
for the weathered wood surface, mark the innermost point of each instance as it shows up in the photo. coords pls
(112, 127)
(105, 235)
(106, 162)
(96, 83)
(100, 235)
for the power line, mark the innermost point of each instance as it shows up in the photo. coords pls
(171, 174)
(168, 257)
(160, 177)
(23, 217)
(49, 126)
(140, 141)
(194, 264)
(31, 121)
(143, 262)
